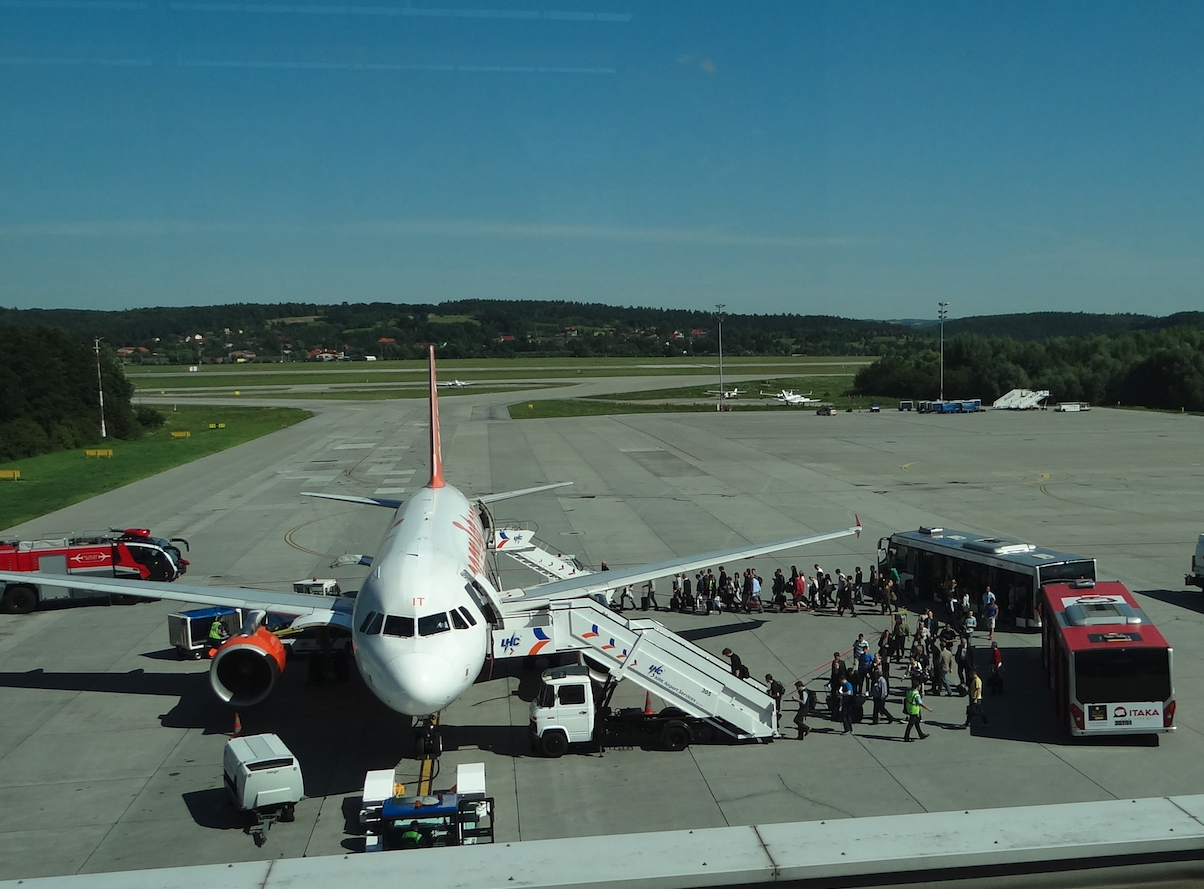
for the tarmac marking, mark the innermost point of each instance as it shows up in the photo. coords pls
(661, 440)
(905, 465)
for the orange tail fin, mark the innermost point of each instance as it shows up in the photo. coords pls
(436, 449)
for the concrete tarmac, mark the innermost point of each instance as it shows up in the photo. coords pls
(110, 747)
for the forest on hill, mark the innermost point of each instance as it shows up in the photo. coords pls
(1038, 326)
(1159, 369)
(49, 399)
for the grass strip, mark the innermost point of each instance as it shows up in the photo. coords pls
(52, 481)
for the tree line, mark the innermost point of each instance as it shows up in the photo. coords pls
(464, 329)
(1158, 369)
(49, 393)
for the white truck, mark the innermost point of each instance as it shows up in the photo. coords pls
(573, 707)
(1196, 578)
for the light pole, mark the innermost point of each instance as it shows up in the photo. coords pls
(942, 314)
(719, 314)
(100, 387)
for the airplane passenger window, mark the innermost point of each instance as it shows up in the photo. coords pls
(372, 623)
(458, 621)
(472, 621)
(399, 626)
(432, 624)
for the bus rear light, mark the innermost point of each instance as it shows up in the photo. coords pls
(1168, 715)
(1077, 713)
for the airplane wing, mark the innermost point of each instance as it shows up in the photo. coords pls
(506, 495)
(347, 498)
(602, 581)
(338, 611)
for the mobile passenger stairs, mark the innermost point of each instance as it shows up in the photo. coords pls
(1021, 400)
(643, 651)
(524, 547)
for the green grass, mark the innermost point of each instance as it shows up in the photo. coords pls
(826, 387)
(234, 376)
(384, 394)
(52, 481)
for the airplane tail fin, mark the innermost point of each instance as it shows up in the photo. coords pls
(436, 448)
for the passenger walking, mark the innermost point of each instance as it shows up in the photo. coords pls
(737, 664)
(776, 691)
(995, 683)
(945, 665)
(846, 702)
(974, 706)
(879, 692)
(912, 705)
(805, 698)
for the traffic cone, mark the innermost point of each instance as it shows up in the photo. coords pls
(237, 726)
(648, 711)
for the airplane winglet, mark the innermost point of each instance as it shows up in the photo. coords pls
(436, 448)
(857, 527)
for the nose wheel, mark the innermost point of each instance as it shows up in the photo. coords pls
(428, 739)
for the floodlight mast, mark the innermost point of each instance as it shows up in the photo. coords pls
(100, 387)
(942, 313)
(719, 313)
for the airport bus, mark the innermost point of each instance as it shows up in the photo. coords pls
(928, 558)
(1108, 666)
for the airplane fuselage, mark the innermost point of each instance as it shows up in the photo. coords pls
(419, 637)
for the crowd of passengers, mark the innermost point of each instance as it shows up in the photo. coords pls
(707, 592)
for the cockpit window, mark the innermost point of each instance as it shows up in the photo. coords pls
(472, 621)
(458, 620)
(433, 623)
(399, 626)
(372, 623)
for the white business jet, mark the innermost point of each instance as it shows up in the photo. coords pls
(421, 625)
(787, 396)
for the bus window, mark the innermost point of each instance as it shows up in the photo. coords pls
(1084, 569)
(1122, 675)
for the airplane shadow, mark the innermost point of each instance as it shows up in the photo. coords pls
(1192, 600)
(697, 634)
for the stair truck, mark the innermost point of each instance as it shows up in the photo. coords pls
(573, 707)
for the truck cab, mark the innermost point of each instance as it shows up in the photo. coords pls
(564, 711)
(1196, 577)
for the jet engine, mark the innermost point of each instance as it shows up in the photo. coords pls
(246, 667)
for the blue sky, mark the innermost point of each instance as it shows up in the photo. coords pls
(867, 159)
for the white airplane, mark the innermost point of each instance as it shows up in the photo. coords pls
(421, 624)
(787, 396)
(456, 384)
(726, 393)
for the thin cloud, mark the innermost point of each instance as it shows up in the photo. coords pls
(427, 228)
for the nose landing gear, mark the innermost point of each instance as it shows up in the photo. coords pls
(428, 739)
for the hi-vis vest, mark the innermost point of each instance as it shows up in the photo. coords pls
(912, 704)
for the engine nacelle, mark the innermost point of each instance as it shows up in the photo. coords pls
(246, 667)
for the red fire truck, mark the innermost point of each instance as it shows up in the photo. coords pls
(129, 553)
(1108, 666)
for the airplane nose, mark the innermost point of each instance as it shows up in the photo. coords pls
(422, 683)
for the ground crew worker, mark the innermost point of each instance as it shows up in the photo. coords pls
(412, 838)
(911, 706)
(217, 633)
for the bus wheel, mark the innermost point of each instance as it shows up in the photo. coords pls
(19, 600)
(554, 744)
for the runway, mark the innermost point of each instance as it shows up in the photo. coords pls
(110, 750)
